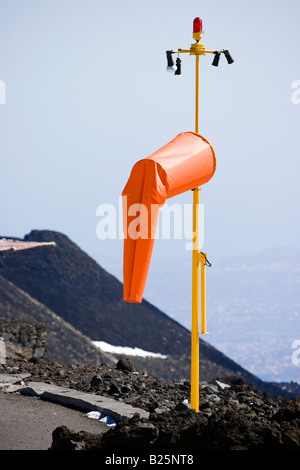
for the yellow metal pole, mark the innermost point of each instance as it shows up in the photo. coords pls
(203, 293)
(203, 299)
(198, 49)
(197, 96)
(195, 274)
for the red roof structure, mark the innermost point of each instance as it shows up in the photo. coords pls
(8, 244)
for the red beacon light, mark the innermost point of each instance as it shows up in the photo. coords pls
(197, 25)
(197, 29)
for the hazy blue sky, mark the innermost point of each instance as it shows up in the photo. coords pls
(87, 95)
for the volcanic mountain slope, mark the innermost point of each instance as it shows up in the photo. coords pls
(73, 286)
(64, 343)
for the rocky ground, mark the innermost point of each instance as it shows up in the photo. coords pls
(232, 415)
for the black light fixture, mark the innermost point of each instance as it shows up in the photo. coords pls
(215, 62)
(228, 56)
(178, 66)
(170, 66)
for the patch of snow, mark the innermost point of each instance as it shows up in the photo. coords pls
(106, 347)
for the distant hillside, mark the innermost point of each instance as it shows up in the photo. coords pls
(253, 313)
(74, 287)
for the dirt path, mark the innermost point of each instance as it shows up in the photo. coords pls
(27, 423)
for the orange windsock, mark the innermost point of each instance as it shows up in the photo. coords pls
(185, 163)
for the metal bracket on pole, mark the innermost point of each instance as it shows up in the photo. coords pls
(202, 259)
